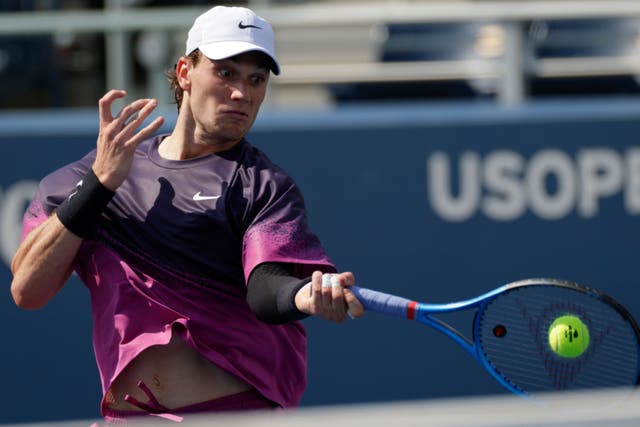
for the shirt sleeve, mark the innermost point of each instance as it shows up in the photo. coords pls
(53, 190)
(278, 230)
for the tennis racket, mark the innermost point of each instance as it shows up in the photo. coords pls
(522, 337)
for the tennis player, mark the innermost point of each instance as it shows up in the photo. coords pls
(194, 246)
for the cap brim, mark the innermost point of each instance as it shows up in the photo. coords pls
(227, 49)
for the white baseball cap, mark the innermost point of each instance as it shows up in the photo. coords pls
(223, 32)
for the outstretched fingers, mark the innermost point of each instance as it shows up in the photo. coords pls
(135, 117)
(120, 135)
(104, 105)
(124, 125)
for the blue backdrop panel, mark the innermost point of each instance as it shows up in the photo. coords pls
(435, 203)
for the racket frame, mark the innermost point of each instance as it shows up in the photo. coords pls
(423, 313)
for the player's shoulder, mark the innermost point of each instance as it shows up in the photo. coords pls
(253, 156)
(56, 185)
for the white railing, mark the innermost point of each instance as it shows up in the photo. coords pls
(321, 43)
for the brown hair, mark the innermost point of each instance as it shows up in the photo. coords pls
(194, 57)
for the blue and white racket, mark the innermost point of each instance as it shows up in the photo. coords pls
(536, 335)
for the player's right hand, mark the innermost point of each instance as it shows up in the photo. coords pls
(328, 296)
(119, 136)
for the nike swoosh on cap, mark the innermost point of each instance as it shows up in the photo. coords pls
(198, 197)
(242, 26)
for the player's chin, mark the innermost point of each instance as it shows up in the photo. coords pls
(230, 133)
(235, 129)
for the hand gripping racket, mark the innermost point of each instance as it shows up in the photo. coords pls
(536, 335)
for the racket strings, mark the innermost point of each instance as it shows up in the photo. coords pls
(523, 356)
(562, 372)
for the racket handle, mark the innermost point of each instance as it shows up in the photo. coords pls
(382, 303)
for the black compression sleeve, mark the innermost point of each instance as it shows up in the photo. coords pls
(271, 293)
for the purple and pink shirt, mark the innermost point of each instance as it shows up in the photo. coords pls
(176, 246)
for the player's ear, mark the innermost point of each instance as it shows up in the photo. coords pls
(182, 72)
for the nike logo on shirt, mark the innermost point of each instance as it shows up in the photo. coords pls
(198, 197)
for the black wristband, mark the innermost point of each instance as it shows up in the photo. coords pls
(80, 211)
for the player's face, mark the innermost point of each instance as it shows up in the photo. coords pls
(225, 96)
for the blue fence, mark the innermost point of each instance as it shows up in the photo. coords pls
(433, 202)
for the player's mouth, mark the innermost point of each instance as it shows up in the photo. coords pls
(235, 113)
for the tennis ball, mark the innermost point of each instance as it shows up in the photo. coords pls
(568, 336)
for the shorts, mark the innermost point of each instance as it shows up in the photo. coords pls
(243, 401)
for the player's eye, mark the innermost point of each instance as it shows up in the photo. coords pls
(257, 80)
(225, 73)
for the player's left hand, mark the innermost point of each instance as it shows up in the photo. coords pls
(328, 296)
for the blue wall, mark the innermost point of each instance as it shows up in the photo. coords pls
(433, 202)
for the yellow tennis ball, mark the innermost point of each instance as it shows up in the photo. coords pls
(568, 336)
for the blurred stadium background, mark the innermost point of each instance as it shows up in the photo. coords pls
(468, 143)
(65, 53)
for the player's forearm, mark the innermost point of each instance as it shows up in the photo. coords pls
(43, 263)
(44, 260)
(271, 291)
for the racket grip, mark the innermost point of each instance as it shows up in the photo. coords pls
(382, 303)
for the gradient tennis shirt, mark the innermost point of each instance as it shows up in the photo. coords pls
(176, 245)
